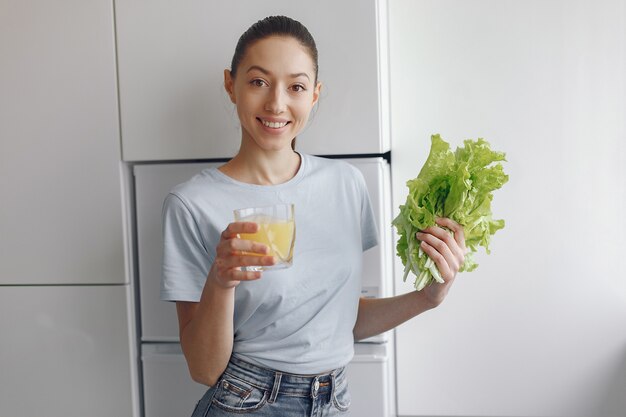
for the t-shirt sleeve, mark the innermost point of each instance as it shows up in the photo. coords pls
(369, 230)
(186, 261)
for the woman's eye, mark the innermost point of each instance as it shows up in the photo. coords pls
(298, 88)
(257, 83)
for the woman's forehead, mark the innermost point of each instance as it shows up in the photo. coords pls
(278, 54)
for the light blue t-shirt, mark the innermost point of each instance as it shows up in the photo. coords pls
(296, 320)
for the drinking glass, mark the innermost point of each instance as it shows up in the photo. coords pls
(277, 230)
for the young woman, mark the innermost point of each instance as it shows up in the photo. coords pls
(275, 343)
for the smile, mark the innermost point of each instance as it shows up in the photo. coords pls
(273, 125)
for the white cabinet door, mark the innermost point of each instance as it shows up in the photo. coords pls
(65, 351)
(61, 217)
(171, 62)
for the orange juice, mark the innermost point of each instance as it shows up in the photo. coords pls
(277, 231)
(278, 235)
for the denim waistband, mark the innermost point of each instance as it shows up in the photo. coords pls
(285, 383)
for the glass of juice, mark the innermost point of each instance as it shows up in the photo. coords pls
(277, 230)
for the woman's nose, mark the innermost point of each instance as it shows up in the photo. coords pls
(276, 101)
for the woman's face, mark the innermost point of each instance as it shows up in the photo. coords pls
(274, 91)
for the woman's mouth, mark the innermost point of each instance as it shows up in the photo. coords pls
(273, 125)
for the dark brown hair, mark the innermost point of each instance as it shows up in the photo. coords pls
(274, 26)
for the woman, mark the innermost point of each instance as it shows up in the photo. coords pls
(276, 343)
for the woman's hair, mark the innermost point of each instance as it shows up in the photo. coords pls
(274, 26)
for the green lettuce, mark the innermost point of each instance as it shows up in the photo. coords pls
(458, 185)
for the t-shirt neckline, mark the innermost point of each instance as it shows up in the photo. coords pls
(292, 181)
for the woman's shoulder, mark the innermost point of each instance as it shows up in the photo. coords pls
(336, 173)
(332, 166)
(207, 178)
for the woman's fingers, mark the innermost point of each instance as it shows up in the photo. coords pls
(231, 242)
(454, 240)
(233, 253)
(238, 260)
(457, 230)
(237, 245)
(443, 241)
(235, 228)
(446, 249)
(231, 267)
(439, 252)
(236, 274)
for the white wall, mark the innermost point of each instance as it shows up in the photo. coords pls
(539, 328)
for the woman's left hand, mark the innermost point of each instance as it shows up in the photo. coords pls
(447, 251)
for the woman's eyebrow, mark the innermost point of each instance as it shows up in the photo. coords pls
(256, 67)
(266, 72)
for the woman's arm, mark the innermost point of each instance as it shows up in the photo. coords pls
(378, 315)
(448, 252)
(206, 327)
(206, 333)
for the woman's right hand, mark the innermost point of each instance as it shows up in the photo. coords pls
(230, 257)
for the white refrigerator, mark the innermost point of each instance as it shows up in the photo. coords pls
(167, 388)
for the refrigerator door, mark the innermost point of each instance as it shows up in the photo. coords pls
(152, 183)
(377, 262)
(371, 381)
(168, 390)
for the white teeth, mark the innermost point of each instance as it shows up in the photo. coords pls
(273, 125)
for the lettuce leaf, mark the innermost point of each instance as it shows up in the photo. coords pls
(458, 185)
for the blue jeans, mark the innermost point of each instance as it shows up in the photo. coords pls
(245, 388)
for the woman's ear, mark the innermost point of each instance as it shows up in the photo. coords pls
(316, 93)
(229, 85)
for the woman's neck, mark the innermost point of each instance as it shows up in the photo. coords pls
(263, 167)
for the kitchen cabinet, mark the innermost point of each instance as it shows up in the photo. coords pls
(65, 351)
(66, 332)
(61, 210)
(171, 63)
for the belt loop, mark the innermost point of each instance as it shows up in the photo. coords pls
(333, 382)
(277, 377)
